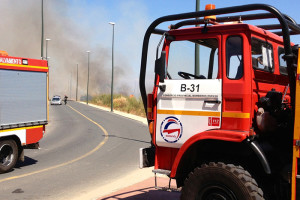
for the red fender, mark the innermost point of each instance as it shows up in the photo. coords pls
(231, 136)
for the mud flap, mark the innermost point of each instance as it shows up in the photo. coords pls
(32, 146)
(21, 156)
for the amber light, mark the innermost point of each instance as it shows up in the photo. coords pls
(149, 107)
(3, 53)
(210, 7)
(151, 127)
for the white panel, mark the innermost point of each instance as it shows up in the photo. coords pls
(193, 88)
(21, 134)
(23, 97)
(190, 126)
(187, 97)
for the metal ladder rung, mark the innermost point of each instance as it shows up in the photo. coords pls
(298, 176)
(164, 172)
(161, 171)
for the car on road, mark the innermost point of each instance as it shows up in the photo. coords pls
(56, 100)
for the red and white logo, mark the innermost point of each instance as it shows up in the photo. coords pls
(213, 121)
(171, 129)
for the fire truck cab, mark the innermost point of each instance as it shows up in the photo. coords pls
(222, 125)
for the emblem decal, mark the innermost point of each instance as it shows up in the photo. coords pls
(171, 129)
(213, 121)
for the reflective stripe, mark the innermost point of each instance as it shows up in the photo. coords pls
(23, 66)
(204, 113)
(236, 115)
(15, 129)
(185, 112)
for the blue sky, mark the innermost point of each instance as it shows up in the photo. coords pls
(75, 26)
(157, 8)
(132, 17)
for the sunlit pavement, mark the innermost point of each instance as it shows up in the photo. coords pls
(145, 190)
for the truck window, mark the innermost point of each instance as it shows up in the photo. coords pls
(262, 55)
(182, 58)
(282, 63)
(234, 57)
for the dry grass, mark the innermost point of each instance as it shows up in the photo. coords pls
(128, 104)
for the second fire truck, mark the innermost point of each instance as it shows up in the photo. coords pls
(23, 107)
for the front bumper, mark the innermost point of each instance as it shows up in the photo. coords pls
(147, 156)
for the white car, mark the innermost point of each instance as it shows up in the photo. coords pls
(56, 100)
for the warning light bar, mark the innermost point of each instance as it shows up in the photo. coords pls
(211, 17)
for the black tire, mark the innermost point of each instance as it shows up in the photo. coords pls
(219, 181)
(8, 155)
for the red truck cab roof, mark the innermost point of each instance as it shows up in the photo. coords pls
(227, 28)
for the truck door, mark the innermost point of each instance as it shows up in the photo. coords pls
(191, 103)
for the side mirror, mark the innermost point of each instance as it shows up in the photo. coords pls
(160, 66)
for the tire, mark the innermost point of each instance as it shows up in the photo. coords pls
(219, 181)
(8, 155)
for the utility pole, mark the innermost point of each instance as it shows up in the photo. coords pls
(87, 87)
(71, 84)
(112, 68)
(42, 40)
(77, 83)
(47, 39)
(197, 49)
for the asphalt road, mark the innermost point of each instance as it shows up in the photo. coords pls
(83, 149)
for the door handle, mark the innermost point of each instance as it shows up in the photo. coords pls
(212, 101)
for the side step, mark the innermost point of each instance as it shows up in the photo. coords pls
(164, 172)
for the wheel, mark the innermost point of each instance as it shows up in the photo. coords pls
(219, 181)
(8, 155)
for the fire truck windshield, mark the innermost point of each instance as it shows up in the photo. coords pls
(182, 58)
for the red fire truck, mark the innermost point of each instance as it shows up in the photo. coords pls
(226, 125)
(23, 107)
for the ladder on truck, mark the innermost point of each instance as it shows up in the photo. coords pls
(296, 143)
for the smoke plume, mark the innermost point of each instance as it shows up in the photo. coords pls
(71, 34)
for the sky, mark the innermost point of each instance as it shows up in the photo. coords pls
(77, 26)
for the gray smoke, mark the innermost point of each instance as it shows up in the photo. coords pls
(70, 37)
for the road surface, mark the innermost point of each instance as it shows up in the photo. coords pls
(84, 149)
